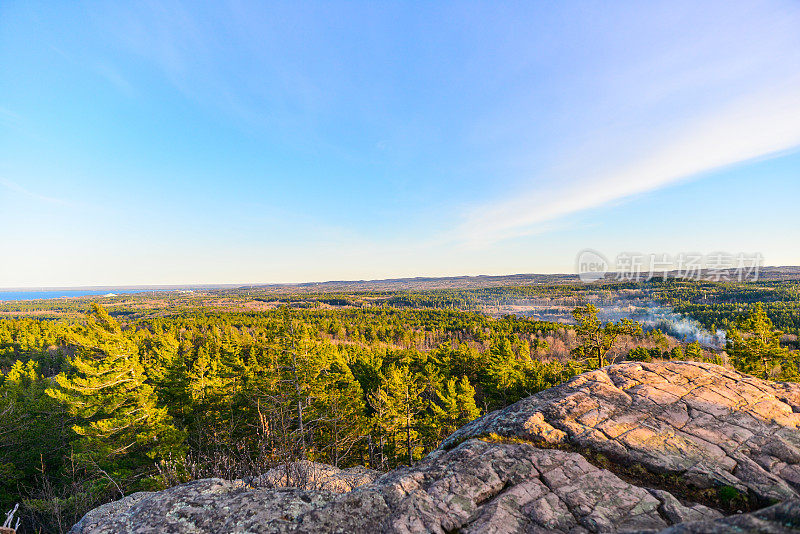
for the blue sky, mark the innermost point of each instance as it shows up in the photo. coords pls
(227, 142)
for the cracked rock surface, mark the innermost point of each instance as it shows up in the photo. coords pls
(316, 476)
(533, 468)
(710, 425)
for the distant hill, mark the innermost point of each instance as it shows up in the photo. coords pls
(474, 282)
(427, 283)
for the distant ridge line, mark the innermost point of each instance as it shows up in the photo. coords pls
(483, 281)
(769, 273)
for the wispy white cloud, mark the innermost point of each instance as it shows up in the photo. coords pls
(758, 126)
(708, 100)
(9, 115)
(16, 188)
(115, 78)
(102, 68)
(715, 87)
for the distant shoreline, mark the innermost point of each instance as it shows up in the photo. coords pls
(420, 283)
(12, 296)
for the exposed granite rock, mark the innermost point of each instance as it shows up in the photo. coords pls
(210, 505)
(709, 425)
(516, 487)
(781, 518)
(535, 467)
(316, 476)
(93, 520)
(475, 487)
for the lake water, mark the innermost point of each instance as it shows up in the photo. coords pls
(53, 294)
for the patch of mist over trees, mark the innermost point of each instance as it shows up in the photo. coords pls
(105, 405)
(663, 318)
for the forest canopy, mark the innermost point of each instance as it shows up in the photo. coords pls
(121, 398)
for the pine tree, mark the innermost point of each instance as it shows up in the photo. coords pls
(404, 392)
(382, 425)
(755, 346)
(170, 375)
(456, 406)
(32, 429)
(694, 351)
(300, 367)
(121, 428)
(340, 408)
(597, 339)
(504, 376)
(467, 409)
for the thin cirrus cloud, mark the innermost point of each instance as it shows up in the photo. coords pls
(760, 125)
(18, 189)
(383, 123)
(708, 94)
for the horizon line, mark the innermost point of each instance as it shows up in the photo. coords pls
(247, 285)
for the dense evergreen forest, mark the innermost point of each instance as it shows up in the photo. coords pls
(106, 396)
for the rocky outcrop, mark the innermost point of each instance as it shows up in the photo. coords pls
(475, 487)
(100, 516)
(781, 518)
(315, 476)
(706, 425)
(651, 447)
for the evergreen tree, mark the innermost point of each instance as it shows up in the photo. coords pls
(694, 351)
(404, 395)
(121, 428)
(456, 406)
(33, 430)
(755, 346)
(504, 377)
(383, 425)
(341, 408)
(598, 339)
